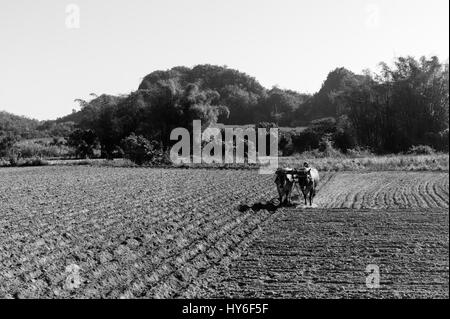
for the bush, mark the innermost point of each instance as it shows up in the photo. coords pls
(84, 142)
(13, 158)
(439, 141)
(266, 125)
(305, 141)
(326, 147)
(6, 143)
(311, 138)
(35, 161)
(32, 148)
(444, 141)
(4, 162)
(139, 150)
(359, 152)
(285, 145)
(421, 150)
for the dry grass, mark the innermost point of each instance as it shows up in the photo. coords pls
(42, 148)
(436, 162)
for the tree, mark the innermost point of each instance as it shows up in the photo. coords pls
(140, 150)
(7, 141)
(402, 106)
(84, 142)
(325, 103)
(344, 138)
(240, 93)
(280, 105)
(98, 116)
(152, 113)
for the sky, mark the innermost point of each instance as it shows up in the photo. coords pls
(54, 51)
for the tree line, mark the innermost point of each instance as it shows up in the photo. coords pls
(403, 105)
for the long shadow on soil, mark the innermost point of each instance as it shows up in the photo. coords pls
(270, 206)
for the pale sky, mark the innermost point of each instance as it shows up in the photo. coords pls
(44, 65)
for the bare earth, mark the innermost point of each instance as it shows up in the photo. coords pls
(132, 233)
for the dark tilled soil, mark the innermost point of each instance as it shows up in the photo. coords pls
(98, 232)
(324, 254)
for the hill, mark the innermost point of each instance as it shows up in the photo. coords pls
(18, 125)
(246, 99)
(403, 106)
(25, 128)
(241, 93)
(324, 103)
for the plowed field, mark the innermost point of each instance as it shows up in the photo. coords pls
(325, 255)
(385, 190)
(127, 232)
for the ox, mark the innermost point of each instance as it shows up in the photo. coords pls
(308, 181)
(306, 178)
(285, 182)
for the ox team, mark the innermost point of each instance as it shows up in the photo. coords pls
(306, 179)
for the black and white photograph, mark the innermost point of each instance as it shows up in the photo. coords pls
(224, 151)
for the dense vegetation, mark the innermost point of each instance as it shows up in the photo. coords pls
(24, 128)
(401, 107)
